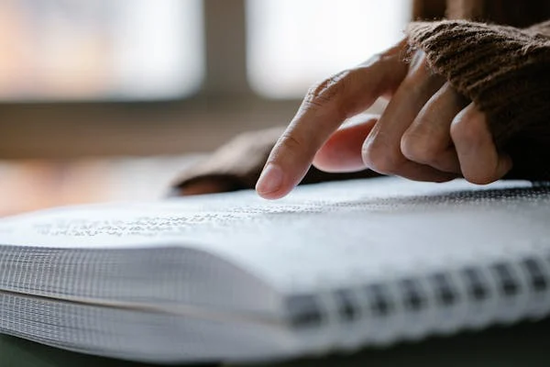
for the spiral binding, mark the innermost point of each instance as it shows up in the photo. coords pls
(412, 307)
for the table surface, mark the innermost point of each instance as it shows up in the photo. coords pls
(526, 344)
(35, 185)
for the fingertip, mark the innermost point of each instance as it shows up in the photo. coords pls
(487, 176)
(334, 158)
(480, 161)
(342, 151)
(274, 182)
(270, 181)
(274, 195)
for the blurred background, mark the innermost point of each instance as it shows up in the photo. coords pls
(88, 87)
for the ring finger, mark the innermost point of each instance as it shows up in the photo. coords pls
(382, 150)
(428, 139)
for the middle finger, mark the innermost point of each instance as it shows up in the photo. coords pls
(382, 148)
(428, 139)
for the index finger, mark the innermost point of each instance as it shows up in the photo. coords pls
(323, 110)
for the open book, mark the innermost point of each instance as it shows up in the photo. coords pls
(232, 277)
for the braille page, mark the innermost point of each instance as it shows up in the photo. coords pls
(326, 235)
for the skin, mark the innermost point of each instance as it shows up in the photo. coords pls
(428, 132)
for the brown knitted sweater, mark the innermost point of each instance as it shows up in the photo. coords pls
(506, 72)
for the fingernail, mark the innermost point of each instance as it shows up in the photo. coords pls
(270, 180)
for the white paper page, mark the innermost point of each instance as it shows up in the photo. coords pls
(325, 235)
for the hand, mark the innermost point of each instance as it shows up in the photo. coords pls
(428, 132)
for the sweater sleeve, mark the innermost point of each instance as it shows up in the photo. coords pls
(237, 166)
(506, 72)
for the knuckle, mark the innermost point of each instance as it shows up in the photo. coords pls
(464, 128)
(421, 77)
(381, 159)
(291, 144)
(417, 83)
(420, 147)
(327, 90)
(419, 61)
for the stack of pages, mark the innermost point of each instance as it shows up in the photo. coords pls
(232, 277)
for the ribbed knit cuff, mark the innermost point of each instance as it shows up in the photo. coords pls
(504, 70)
